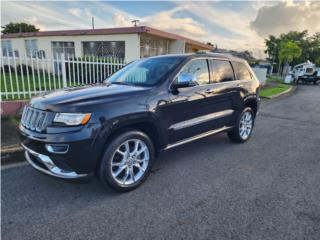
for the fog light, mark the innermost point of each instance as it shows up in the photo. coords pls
(57, 148)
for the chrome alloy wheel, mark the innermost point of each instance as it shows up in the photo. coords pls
(246, 124)
(130, 161)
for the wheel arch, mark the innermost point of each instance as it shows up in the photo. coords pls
(252, 102)
(145, 123)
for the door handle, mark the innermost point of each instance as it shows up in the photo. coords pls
(210, 91)
(240, 85)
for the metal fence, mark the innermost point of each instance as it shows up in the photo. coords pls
(23, 77)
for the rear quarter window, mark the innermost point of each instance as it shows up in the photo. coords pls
(222, 71)
(241, 71)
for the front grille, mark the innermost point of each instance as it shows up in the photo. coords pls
(34, 119)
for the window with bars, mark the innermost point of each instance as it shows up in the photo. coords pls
(31, 48)
(67, 48)
(153, 47)
(104, 49)
(6, 46)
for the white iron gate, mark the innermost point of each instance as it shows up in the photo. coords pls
(22, 77)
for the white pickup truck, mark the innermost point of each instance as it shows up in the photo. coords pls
(306, 72)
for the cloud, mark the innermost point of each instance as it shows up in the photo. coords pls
(120, 20)
(165, 20)
(287, 16)
(75, 11)
(228, 27)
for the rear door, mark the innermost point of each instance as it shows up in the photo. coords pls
(223, 92)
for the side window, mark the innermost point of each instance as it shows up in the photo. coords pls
(222, 71)
(241, 71)
(199, 68)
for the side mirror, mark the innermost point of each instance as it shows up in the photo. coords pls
(185, 80)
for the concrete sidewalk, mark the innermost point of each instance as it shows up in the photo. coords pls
(11, 151)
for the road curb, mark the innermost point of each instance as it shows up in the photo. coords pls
(288, 91)
(11, 149)
(12, 154)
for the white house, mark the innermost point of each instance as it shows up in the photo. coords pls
(129, 43)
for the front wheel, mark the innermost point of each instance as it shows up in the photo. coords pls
(243, 128)
(127, 161)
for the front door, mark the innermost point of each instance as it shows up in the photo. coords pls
(201, 108)
(192, 110)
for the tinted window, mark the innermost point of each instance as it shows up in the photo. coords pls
(199, 68)
(241, 71)
(222, 71)
(145, 72)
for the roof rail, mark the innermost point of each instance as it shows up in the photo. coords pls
(203, 52)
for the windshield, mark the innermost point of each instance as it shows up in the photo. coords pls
(145, 72)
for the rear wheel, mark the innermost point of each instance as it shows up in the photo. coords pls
(243, 127)
(127, 161)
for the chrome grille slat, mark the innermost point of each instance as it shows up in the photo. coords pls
(40, 122)
(34, 119)
(23, 115)
(30, 113)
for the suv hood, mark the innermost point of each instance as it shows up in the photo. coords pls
(72, 98)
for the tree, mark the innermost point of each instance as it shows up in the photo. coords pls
(18, 28)
(289, 50)
(309, 45)
(272, 50)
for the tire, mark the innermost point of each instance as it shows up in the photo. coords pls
(122, 167)
(237, 135)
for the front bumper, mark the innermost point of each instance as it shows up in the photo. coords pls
(80, 158)
(44, 164)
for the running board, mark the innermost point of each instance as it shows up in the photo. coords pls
(202, 135)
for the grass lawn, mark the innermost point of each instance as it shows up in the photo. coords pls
(274, 85)
(270, 91)
(19, 81)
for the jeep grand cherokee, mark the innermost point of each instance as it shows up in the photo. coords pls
(117, 128)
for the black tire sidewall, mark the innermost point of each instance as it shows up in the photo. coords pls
(105, 166)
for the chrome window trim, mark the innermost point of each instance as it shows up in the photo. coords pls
(210, 83)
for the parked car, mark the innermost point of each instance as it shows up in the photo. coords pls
(116, 129)
(306, 73)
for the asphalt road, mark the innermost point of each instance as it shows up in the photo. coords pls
(268, 188)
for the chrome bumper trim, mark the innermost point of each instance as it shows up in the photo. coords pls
(52, 169)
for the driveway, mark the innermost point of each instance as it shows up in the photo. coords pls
(268, 188)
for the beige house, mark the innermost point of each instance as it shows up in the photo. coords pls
(129, 43)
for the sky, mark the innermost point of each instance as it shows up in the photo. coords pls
(234, 25)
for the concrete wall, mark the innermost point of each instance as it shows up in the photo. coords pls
(132, 43)
(261, 74)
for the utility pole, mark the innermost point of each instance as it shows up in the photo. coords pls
(135, 22)
(92, 20)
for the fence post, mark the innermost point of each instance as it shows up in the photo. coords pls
(63, 71)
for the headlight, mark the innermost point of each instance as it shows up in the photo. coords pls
(72, 119)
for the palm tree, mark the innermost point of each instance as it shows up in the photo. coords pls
(289, 50)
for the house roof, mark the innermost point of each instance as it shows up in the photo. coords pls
(108, 31)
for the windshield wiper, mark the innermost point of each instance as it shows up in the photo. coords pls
(122, 83)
